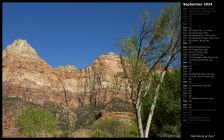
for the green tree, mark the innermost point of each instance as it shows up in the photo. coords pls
(167, 118)
(156, 45)
(33, 121)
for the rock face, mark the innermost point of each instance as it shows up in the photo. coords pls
(126, 117)
(27, 75)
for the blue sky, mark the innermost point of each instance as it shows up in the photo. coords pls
(72, 33)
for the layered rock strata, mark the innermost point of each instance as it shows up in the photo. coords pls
(27, 75)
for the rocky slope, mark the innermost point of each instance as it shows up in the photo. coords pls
(27, 75)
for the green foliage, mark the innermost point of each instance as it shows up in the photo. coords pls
(167, 116)
(157, 44)
(108, 127)
(152, 46)
(66, 117)
(33, 121)
(114, 128)
(13, 106)
(86, 116)
(132, 131)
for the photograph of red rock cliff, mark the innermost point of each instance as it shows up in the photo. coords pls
(72, 70)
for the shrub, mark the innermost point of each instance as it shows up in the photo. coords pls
(64, 123)
(113, 128)
(33, 121)
(66, 118)
(132, 131)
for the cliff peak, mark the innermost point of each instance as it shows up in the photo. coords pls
(20, 42)
(66, 85)
(22, 48)
(111, 53)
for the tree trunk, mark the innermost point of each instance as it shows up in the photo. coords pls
(139, 120)
(169, 61)
(149, 120)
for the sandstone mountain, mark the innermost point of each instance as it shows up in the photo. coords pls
(28, 76)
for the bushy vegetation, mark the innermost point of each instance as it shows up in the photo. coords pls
(167, 119)
(16, 104)
(66, 117)
(114, 128)
(13, 107)
(68, 120)
(147, 53)
(33, 121)
(165, 122)
(86, 116)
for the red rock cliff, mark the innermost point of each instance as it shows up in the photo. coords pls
(27, 75)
